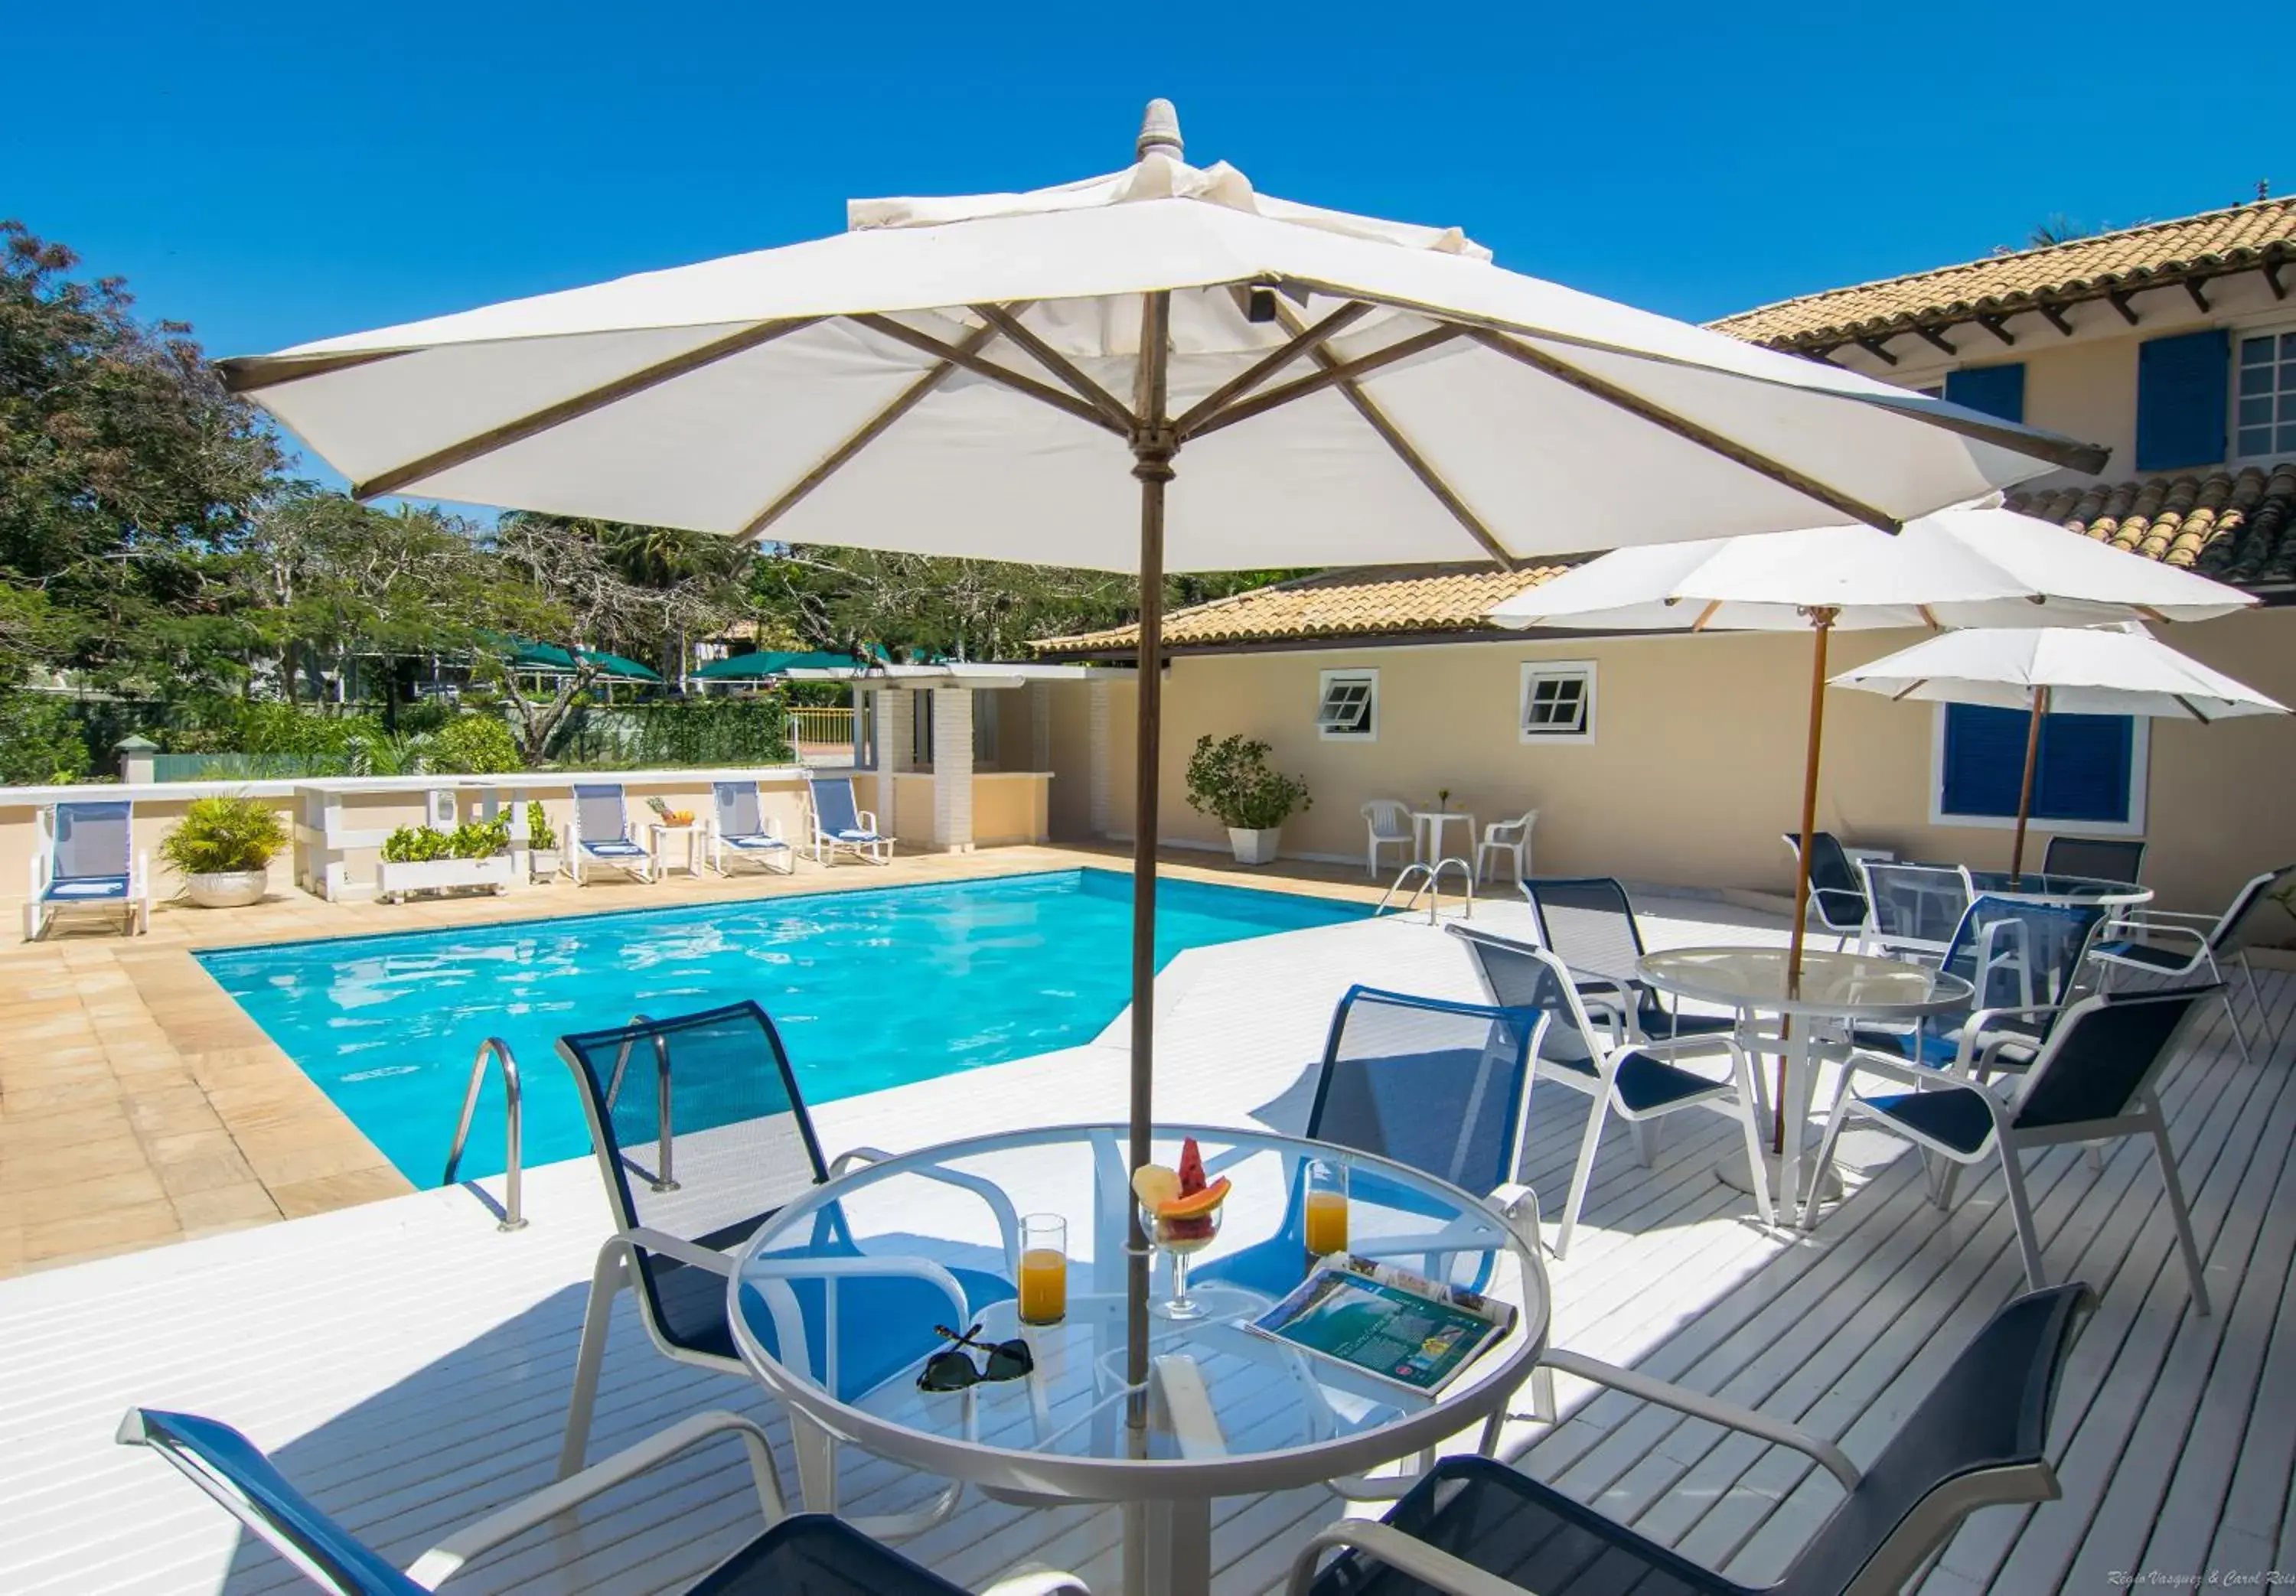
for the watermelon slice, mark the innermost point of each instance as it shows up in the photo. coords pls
(1192, 1169)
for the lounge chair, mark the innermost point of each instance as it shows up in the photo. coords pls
(1387, 824)
(1980, 1438)
(840, 825)
(2092, 1082)
(811, 1553)
(1640, 1081)
(1837, 898)
(740, 831)
(85, 864)
(2024, 962)
(701, 1135)
(601, 833)
(2097, 858)
(2180, 946)
(1588, 922)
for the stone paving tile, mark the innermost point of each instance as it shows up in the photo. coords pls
(330, 1191)
(223, 1206)
(100, 1233)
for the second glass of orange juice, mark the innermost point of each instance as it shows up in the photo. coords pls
(1043, 1269)
(1324, 1208)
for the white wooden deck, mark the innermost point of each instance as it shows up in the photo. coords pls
(408, 1365)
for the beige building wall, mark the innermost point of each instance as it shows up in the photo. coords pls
(1696, 765)
(1070, 807)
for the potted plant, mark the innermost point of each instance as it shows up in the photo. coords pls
(425, 859)
(1230, 781)
(223, 849)
(542, 857)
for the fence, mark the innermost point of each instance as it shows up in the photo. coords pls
(817, 727)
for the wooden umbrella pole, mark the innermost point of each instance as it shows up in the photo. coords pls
(1153, 445)
(2025, 792)
(1822, 622)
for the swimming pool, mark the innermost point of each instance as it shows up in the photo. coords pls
(871, 988)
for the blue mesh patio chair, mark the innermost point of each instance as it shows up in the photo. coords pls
(2097, 858)
(1837, 897)
(1438, 1085)
(602, 835)
(2092, 1082)
(1980, 1438)
(807, 1553)
(2175, 946)
(1911, 911)
(1588, 922)
(740, 831)
(841, 825)
(85, 864)
(2024, 962)
(1639, 1081)
(701, 1135)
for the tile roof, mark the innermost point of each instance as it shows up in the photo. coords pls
(2241, 237)
(2238, 526)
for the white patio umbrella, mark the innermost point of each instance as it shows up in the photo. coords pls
(2101, 670)
(992, 375)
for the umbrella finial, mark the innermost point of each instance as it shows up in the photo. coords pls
(1160, 129)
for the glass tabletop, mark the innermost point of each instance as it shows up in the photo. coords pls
(944, 1221)
(1843, 984)
(2039, 888)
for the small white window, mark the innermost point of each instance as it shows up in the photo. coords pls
(1558, 701)
(2264, 394)
(1347, 707)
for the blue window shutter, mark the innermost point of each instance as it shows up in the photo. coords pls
(2183, 385)
(2083, 772)
(1994, 389)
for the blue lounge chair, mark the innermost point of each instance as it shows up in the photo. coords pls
(2092, 1082)
(1836, 896)
(701, 1135)
(2024, 964)
(840, 825)
(1441, 1086)
(85, 862)
(1980, 1438)
(740, 830)
(1588, 922)
(1641, 1082)
(601, 833)
(2097, 858)
(810, 1553)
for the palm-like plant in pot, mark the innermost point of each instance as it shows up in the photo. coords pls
(1231, 781)
(223, 849)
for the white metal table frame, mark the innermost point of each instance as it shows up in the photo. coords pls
(1427, 834)
(659, 831)
(2080, 892)
(1167, 1500)
(1688, 972)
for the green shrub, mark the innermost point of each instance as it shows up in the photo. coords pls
(481, 838)
(416, 845)
(1230, 781)
(219, 834)
(477, 745)
(40, 741)
(538, 834)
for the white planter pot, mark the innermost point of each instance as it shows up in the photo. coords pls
(1253, 848)
(227, 888)
(541, 865)
(394, 881)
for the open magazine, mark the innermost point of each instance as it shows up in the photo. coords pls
(1387, 1323)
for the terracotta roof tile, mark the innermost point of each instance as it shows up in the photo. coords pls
(2240, 237)
(2238, 526)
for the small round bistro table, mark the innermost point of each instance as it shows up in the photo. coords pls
(1835, 988)
(1228, 1411)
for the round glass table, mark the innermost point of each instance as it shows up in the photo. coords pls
(2073, 891)
(1835, 988)
(1227, 1412)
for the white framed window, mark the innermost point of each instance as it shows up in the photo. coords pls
(1558, 701)
(2264, 393)
(2090, 778)
(1347, 706)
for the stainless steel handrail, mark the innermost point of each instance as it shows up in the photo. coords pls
(514, 1115)
(663, 1179)
(1430, 879)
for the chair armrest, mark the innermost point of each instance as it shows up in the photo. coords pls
(2138, 916)
(1730, 1415)
(1864, 1061)
(1399, 1551)
(1008, 1218)
(2148, 928)
(867, 817)
(442, 1561)
(680, 1251)
(1518, 1205)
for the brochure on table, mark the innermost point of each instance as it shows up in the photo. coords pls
(1397, 1327)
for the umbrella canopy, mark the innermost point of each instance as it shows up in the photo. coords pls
(1032, 377)
(743, 668)
(2103, 670)
(550, 657)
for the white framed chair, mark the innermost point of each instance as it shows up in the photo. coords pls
(85, 864)
(1510, 837)
(2177, 946)
(600, 834)
(1387, 824)
(841, 825)
(1911, 911)
(739, 831)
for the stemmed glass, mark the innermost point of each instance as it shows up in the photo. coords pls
(1181, 1238)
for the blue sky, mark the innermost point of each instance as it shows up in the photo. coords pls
(281, 173)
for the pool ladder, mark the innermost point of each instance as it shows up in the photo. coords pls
(1426, 881)
(508, 1215)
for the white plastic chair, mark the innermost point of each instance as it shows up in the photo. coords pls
(83, 862)
(1388, 823)
(1511, 837)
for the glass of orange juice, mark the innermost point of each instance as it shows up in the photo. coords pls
(1325, 1206)
(1043, 1269)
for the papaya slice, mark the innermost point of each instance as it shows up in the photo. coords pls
(1197, 1203)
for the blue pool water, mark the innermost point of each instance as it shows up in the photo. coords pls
(870, 988)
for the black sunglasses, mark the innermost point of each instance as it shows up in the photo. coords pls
(953, 1371)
